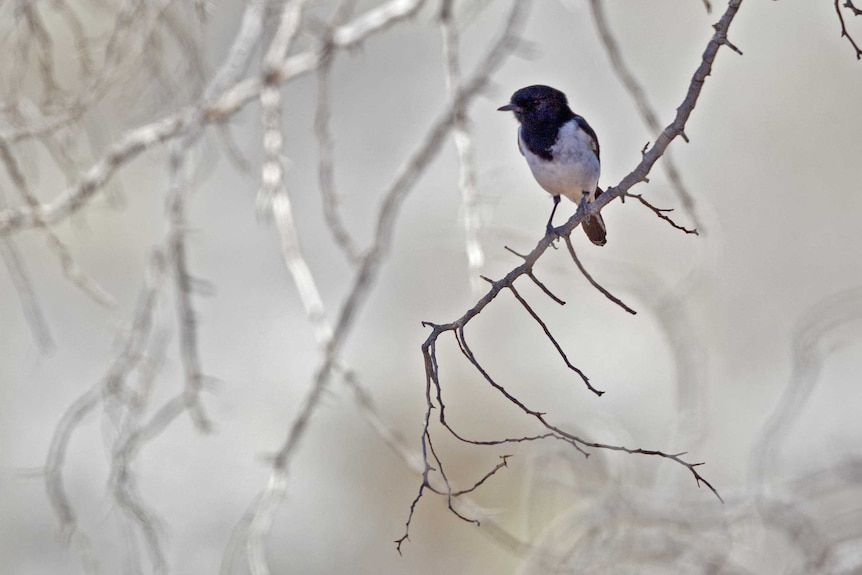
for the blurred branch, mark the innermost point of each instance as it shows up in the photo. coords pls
(71, 269)
(259, 518)
(464, 147)
(183, 284)
(111, 386)
(662, 214)
(645, 109)
(809, 347)
(434, 393)
(325, 146)
(24, 288)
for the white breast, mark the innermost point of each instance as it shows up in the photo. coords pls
(575, 168)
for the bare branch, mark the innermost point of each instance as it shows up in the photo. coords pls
(325, 171)
(593, 282)
(71, 269)
(112, 385)
(559, 349)
(662, 213)
(186, 318)
(844, 33)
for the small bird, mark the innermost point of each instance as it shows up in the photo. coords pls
(561, 149)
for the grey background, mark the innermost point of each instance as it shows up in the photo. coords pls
(773, 165)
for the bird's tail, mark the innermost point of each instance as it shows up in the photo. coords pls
(594, 226)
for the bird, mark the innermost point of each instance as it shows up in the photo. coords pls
(561, 149)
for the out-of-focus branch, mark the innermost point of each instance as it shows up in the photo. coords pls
(645, 109)
(464, 147)
(24, 288)
(71, 269)
(112, 386)
(325, 146)
(259, 519)
(809, 348)
(183, 283)
(223, 99)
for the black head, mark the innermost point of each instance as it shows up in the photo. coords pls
(539, 105)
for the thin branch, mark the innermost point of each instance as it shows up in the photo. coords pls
(183, 285)
(544, 288)
(844, 33)
(662, 214)
(111, 385)
(575, 441)
(557, 346)
(71, 269)
(593, 282)
(26, 294)
(325, 146)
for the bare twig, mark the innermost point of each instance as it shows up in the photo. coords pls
(844, 33)
(556, 345)
(593, 282)
(662, 214)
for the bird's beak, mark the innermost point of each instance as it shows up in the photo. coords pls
(509, 108)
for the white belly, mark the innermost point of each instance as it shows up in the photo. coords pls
(575, 168)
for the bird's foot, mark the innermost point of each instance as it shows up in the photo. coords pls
(554, 233)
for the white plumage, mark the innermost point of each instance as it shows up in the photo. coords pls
(575, 168)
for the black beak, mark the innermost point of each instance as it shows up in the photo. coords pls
(509, 108)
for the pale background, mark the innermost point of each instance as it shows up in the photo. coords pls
(773, 165)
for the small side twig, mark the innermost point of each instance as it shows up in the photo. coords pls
(844, 33)
(556, 345)
(593, 282)
(662, 213)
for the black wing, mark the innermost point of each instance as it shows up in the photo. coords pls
(582, 124)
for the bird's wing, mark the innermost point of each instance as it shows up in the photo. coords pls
(594, 140)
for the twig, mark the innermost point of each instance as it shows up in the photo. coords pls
(593, 282)
(556, 345)
(844, 33)
(662, 213)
